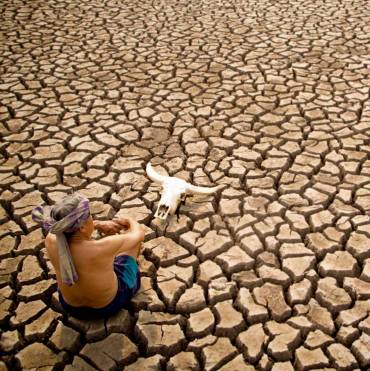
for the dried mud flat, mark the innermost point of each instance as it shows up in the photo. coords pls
(269, 99)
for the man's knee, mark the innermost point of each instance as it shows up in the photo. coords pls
(142, 234)
(139, 243)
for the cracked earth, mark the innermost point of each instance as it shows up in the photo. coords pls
(270, 100)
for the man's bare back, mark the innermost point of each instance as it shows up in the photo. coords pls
(97, 284)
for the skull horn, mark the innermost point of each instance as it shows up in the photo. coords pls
(201, 190)
(153, 175)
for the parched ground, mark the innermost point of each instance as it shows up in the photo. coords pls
(269, 99)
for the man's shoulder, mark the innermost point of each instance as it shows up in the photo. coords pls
(50, 241)
(51, 247)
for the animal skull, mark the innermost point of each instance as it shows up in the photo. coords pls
(173, 191)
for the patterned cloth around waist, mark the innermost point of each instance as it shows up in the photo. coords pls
(126, 270)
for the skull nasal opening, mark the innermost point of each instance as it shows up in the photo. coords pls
(162, 211)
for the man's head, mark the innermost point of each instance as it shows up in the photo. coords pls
(70, 215)
(66, 207)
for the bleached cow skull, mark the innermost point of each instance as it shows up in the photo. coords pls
(173, 191)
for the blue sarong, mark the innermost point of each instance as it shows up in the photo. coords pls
(128, 275)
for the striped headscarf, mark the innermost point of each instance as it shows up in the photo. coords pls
(70, 223)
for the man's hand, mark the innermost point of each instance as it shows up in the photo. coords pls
(108, 227)
(125, 223)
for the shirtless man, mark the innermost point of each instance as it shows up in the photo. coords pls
(95, 277)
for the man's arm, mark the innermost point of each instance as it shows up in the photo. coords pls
(107, 227)
(121, 243)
